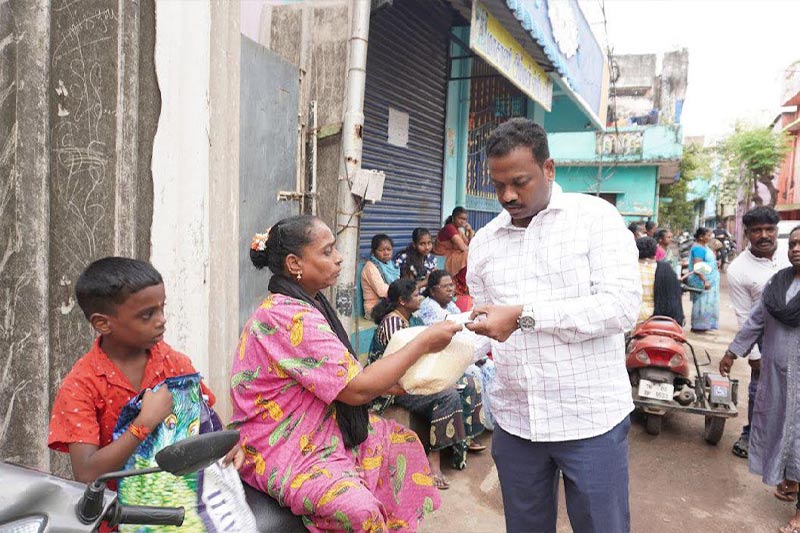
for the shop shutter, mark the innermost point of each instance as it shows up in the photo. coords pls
(407, 72)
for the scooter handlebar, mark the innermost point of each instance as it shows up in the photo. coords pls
(146, 515)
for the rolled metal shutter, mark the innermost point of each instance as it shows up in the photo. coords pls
(407, 71)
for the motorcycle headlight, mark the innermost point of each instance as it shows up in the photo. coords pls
(31, 524)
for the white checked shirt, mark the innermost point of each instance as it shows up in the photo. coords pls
(576, 264)
(747, 277)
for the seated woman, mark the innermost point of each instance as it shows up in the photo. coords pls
(416, 261)
(661, 289)
(300, 398)
(436, 307)
(378, 272)
(452, 242)
(454, 414)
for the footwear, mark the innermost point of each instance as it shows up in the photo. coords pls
(790, 527)
(786, 491)
(741, 447)
(440, 482)
(475, 447)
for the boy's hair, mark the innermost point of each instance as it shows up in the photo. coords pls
(108, 282)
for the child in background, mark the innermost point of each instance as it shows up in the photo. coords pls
(416, 262)
(124, 300)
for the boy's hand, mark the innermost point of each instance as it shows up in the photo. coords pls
(235, 456)
(156, 406)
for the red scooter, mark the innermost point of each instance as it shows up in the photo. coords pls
(659, 371)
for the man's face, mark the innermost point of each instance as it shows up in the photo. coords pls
(763, 239)
(794, 249)
(522, 185)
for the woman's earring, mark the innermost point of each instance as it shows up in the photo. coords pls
(299, 275)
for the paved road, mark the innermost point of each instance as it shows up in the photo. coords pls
(678, 482)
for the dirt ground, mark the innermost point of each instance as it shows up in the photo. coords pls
(678, 483)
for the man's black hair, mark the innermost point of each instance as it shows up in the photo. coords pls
(108, 282)
(649, 225)
(647, 247)
(515, 133)
(760, 215)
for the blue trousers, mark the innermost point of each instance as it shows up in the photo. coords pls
(595, 472)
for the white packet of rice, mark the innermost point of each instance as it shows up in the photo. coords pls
(433, 372)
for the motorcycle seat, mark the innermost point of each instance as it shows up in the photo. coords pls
(270, 516)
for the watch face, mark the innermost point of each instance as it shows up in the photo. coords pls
(526, 323)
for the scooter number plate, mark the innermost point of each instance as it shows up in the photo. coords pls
(657, 391)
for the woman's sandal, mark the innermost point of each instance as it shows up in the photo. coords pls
(783, 493)
(475, 447)
(791, 527)
(440, 482)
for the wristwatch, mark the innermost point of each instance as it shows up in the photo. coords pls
(526, 321)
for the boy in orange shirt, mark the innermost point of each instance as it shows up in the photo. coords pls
(124, 301)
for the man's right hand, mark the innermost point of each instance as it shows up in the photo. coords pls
(156, 406)
(436, 337)
(726, 363)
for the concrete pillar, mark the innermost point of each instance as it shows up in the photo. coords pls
(24, 227)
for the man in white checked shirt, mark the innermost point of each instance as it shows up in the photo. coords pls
(555, 282)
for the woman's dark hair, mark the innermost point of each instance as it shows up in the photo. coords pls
(287, 236)
(378, 239)
(399, 289)
(633, 226)
(517, 132)
(434, 280)
(415, 261)
(700, 232)
(647, 247)
(660, 233)
(760, 215)
(457, 211)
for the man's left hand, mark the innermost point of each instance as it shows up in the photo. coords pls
(495, 321)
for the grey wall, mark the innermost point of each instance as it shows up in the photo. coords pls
(78, 108)
(267, 157)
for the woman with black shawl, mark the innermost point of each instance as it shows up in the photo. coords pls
(661, 289)
(774, 451)
(300, 398)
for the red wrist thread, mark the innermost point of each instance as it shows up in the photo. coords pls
(140, 432)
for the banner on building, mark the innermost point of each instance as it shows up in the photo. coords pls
(493, 43)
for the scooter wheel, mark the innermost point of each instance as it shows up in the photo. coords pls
(653, 424)
(715, 426)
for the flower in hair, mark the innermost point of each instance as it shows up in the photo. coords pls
(260, 241)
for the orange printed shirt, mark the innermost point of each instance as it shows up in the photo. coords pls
(92, 395)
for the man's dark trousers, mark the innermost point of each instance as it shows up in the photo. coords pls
(595, 472)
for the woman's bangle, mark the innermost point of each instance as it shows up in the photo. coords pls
(140, 432)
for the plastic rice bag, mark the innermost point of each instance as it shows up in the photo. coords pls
(433, 372)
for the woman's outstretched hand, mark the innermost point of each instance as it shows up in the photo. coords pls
(436, 337)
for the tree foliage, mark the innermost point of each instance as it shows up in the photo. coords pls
(678, 212)
(751, 156)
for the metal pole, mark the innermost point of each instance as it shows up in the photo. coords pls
(347, 215)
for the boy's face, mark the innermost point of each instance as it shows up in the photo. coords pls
(138, 322)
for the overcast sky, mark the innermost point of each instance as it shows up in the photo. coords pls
(738, 50)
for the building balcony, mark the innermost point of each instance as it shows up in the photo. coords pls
(657, 145)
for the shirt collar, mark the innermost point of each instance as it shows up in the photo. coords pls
(557, 203)
(104, 366)
(754, 257)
